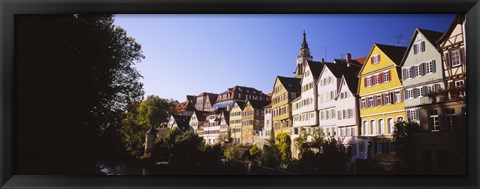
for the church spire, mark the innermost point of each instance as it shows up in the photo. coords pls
(303, 57)
(304, 43)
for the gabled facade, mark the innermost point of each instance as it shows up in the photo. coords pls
(179, 121)
(186, 108)
(327, 88)
(443, 148)
(304, 108)
(265, 132)
(204, 101)
(347, 107)
(197, 119)
(236, 121)
(216, 124)
(252, 120)
(381, 103)
(284, 91)
(422, 76)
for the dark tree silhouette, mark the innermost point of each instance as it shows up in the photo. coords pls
(74, 76)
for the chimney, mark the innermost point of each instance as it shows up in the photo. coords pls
(323, 60)
(348, 59)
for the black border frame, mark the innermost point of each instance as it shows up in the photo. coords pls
(10, 7)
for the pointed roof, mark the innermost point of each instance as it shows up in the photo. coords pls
(395, 53)
(201, 115)
(459, 18)
(315, 68)
(182, 121)
(304, 43)
(291, 84)
(269, 105)
(257, 104)
(336, 69)
(241, 104)
(432, 37)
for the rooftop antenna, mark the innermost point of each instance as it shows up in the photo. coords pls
(398, 40)
(326, 49)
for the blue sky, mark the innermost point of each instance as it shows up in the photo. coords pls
(190, 54)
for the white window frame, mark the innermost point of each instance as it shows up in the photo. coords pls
(375, 59)
(391, 125)
(381, 126)
(455, 58)
(450, 116)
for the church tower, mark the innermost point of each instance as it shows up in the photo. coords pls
(302, 57)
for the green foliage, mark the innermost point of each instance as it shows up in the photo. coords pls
(233, 152)
(254, 153)
(300, 142)
(403, 137)
(141, 116)
(185, 148)
(155, 110)
(284, 147)
(82, 67)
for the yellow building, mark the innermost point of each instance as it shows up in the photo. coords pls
(284, 91)
(381, 103)
(236, 121)
(252, 120)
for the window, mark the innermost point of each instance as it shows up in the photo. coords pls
(393, 148)
(390, 125)
(375, 59)
(379, 147)
(450, 118)
(380, 126)
(407, 73)
(364, 128)
(399, 119)
(379, 100)
(375, 79)
(363, 103)
(433, 120)
(368, 81)
(397, 97)
(386, 77)
(455, 58)
(350, 113)
(353, 131)
(370, 101)
(419, 47)
(372, 126)
(387, 98)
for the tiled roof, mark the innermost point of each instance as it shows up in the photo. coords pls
(395, 53)
(432, 36)
(202, 115)
(182, 121)
(361, 60)
(291, 84)
(315, 67)
(335, 68)
(257, 104)
(241, 104)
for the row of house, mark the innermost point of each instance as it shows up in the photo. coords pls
(357, 101)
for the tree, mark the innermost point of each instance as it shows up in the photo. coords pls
(155, 110)
(284, 146)
(254, 153)
(403, 137)
(300, 143)
(233, 152)
(76, 77)
(140, 117)
(270, 156)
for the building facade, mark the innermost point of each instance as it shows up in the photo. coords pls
(236, 122)
(252, 120)
(381, 103)
(422, 74)
(284, 91)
